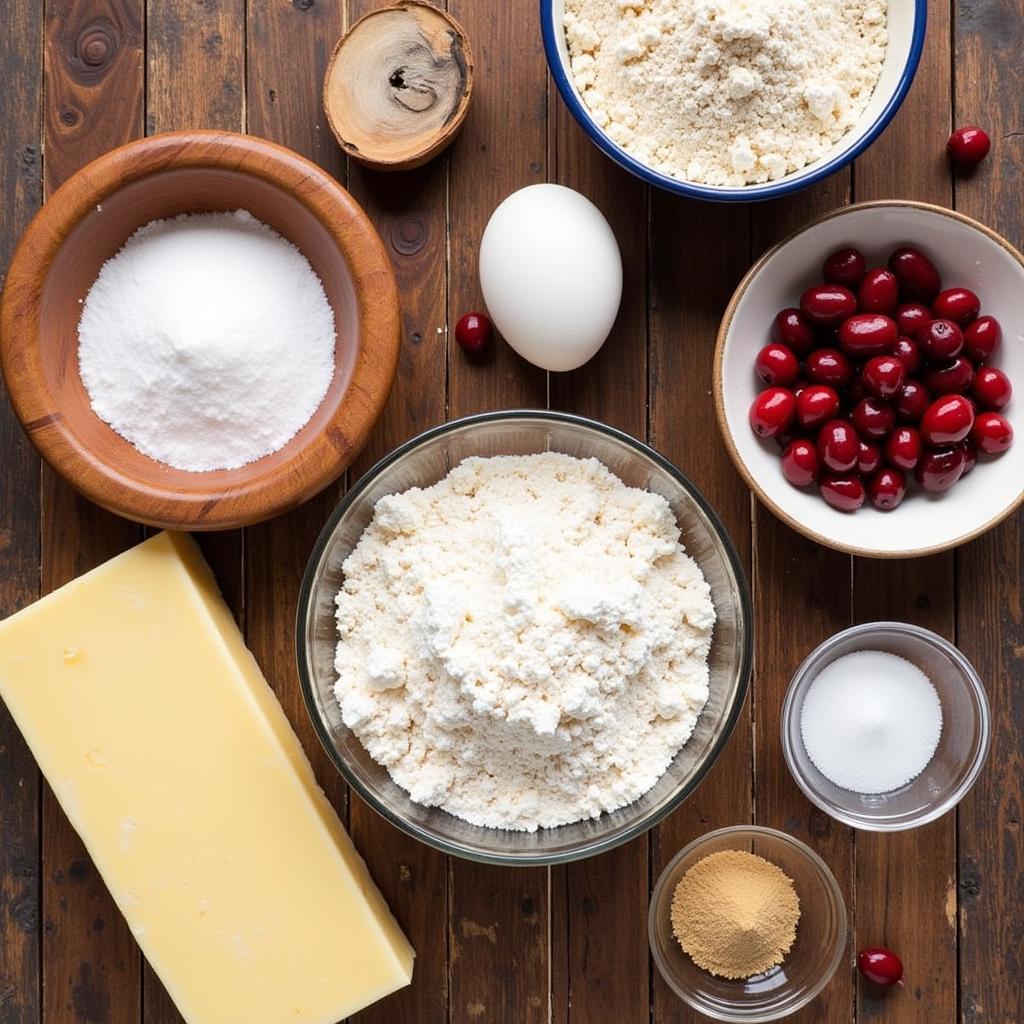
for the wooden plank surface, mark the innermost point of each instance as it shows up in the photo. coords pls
(565, 945)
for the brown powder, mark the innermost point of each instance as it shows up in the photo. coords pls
(735, 914)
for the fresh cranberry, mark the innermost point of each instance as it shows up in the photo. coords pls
(917, 275)
(800, 463)
(903, 448)
(791, 328)
(827, 304)
(838, 445)
(970, 457)
(909, 353)
(845, 493)
(845, 267)
(869, 458)
(913, 317)
(941, 340)
(912, 400)
(879, 292)
(772, 412)
(960, 305)
(473, 332)
(991, 433)
(828, 366)
(816, 404)
(982, 338)
(873, 419)
(991, 388)
(882, 966)
(777, 365)
(883, 375)
(940, 468)
(887, 488)
(867, 334)
(969, 145)
(954, 377)
(947, 420)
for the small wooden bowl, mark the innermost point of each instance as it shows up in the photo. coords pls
(90, 217)
(407, 57)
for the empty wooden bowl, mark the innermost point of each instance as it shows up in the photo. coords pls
(397, 87)
(90, 217)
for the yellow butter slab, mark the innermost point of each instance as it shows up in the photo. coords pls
(175, 763)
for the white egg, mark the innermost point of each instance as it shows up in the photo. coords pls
(551, 275)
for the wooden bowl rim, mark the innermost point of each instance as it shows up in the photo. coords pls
(317, 462)
(719, 393)
(448, 131)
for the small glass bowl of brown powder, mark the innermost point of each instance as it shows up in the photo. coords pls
(747, 924)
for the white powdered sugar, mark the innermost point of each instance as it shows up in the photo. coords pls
(726, 92)
(524, 643)
(207, 341)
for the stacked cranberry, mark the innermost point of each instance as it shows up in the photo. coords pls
(881, 373)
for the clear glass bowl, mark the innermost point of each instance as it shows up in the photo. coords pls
(423, 461)
(963, 745)
(809, 965)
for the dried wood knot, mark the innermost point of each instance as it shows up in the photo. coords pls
(96, 45)
(409, 235)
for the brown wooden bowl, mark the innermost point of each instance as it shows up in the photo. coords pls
(90, 217)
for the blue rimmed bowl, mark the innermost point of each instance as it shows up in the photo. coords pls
(906, 24)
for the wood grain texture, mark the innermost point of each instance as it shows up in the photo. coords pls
(410, 211)
(906, 882)
(195, 62)
(498, 917)
(20, 786)
(607, 895)
(92, 102)
(690, 286)
(989, 90)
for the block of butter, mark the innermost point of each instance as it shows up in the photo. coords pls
(175, 763)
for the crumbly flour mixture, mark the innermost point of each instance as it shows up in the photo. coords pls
(726, 92)
(525, 642)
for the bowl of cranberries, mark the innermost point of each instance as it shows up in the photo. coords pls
(864, 379)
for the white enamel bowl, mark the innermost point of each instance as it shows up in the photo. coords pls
(966, 253)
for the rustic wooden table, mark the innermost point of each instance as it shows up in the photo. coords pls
(567, 944)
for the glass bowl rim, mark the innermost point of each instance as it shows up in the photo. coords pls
(596, 845)
(808, 854)
(973, 682)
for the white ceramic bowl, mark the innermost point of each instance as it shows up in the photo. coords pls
(966, 253)
(906, 26)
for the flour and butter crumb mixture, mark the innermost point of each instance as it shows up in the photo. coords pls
(726, 92)
(525, 643)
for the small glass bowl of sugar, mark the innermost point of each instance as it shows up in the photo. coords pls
(885, 726)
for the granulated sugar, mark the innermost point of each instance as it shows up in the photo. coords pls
(207, 341)
(871, 722)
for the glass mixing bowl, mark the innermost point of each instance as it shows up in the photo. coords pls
(809, 965)
(423, 461)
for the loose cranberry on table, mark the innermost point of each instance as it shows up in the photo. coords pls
(908, 352)
(954, 377)
(887, 488)
(777, 365)
(991, 388)
(903, 448)
(772, 412)
(868, 334)
(879, 965)
(982, 338)
(947, 420)
(869, 458)
(911, 402)
(845, 267)
(791, 328)
(969, 145)
(800, 463)
(912, 317)
(473, 332)
(838, 446)
(941, 339)
(883, 375)
(842, 492)
(879, 292)
(991, 433)
(916, 274)
(960, 305)
(873, 419)
(815, 404)
(827, 305)
(939, 468)
(829, 366)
